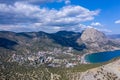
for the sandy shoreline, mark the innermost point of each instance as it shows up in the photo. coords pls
(83, 61)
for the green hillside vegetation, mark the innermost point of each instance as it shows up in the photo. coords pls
(14, 71)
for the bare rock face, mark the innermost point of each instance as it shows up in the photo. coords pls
(93, 35)
(96, 41)
(93, 38)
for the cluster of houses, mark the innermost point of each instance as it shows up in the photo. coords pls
(42, 58)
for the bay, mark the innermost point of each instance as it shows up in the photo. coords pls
(102, 56)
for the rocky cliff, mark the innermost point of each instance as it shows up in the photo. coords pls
(93, 35)
(96, 41)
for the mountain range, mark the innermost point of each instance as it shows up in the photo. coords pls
(30, 55)
(88, 41)
(114, 36)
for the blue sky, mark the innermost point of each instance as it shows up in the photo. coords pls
(55, 15)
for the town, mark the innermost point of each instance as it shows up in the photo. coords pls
(55, 58)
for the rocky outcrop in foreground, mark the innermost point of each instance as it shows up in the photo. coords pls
(110, 71)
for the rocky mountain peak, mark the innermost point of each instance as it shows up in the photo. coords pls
(93, 35)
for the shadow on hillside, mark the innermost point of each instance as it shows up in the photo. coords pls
(69, 42)
(6, 43)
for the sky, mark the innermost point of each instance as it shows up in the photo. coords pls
(56, 15)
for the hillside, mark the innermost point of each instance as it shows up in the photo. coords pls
(106, 72)
(34, 43)
(97, 41)
(50, 56)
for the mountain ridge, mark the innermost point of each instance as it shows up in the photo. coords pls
(61, 38)
(45, 55)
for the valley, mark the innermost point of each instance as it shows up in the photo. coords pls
(59, 39)
(50, 54)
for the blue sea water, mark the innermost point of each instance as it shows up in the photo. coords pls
(102, 56)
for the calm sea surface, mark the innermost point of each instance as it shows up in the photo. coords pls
(102, 56)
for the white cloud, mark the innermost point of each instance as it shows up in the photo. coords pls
(117, 22)
(57, 28)
(99, 26)
(36, 2)
(96, 24)
(80, 27)
(24, 13)
(67, 1)
(105, 30)
(16, 28)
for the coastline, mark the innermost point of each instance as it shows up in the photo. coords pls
(84, 61)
